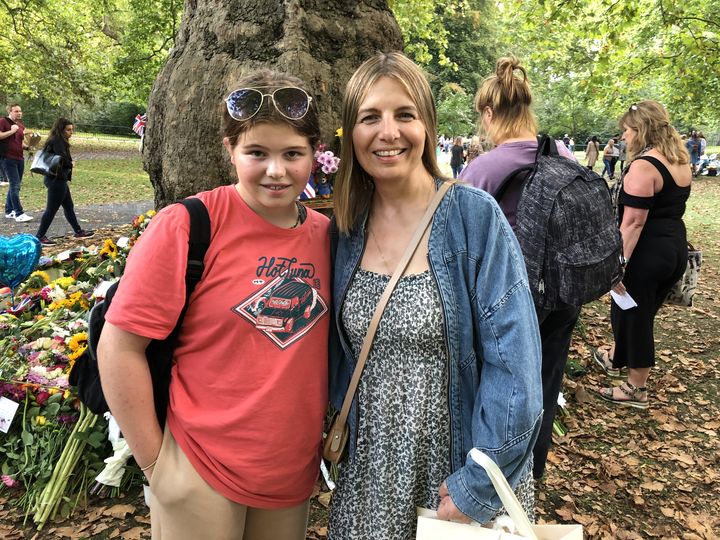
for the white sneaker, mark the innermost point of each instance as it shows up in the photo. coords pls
(23, 217)
(4, 183)
(11, 215)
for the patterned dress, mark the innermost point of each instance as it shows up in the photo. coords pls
(403, 436)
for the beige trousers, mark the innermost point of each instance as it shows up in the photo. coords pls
(183, 506)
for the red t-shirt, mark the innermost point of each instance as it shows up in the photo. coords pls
(14, 141)
(249, 387)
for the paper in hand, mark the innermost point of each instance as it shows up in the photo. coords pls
(624, 301)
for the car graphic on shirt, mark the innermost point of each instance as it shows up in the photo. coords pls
(288, 304)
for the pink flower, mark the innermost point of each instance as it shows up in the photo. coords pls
(9, 481)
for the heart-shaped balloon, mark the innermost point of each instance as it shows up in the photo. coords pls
(18, 257)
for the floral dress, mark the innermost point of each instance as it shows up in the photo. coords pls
(403, 435)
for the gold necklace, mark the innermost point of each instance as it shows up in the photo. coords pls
(382, 257)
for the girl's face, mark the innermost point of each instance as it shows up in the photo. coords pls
(273, 164)
(389, 136)
(68, 131)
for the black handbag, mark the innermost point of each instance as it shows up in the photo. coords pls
(46, 163)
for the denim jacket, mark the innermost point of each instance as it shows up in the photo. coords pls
(492, 339)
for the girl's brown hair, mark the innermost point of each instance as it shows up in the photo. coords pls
(353, 187)
(266, 80)
(652, 123)
(508, 96)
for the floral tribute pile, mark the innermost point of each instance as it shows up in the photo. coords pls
(53, 447)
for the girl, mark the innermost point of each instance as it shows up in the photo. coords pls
(58, 186)
(239, 454)
(455, 362)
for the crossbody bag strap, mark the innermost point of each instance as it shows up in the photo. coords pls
(372, 328)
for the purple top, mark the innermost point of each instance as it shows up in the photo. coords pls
(487, 171)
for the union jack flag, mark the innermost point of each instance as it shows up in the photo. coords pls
(139, 124)
(309, 191)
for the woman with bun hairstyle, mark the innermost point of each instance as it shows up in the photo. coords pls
(455, 363)
(651, 205)
(504, 104)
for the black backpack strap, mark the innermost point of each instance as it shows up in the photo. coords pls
(198, 243)
(518, 175)
(546, 147)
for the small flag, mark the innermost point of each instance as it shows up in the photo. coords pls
(309, 191)
(139, 124)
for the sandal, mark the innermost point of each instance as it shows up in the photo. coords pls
(632, 395)
(602, 359)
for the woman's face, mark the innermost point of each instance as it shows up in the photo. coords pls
(629, 135)
(68, 131)
(389, 136)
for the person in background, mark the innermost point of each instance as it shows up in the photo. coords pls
(12, 160)
(622, 153)
(240, 452)
(571, 146)
(474, 148)
(457, 157)
(651, 205)
(607, 160)
(504, 103)
(693, 147)
(58, 187)
(455, 363)
(592, 152)
(703, 143)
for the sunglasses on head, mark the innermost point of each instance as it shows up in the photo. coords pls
(293, 103)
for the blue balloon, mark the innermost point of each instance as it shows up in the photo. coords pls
(18, 257)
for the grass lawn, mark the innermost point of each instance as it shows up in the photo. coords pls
(95, 181)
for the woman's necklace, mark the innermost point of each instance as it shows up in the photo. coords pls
(382, 257)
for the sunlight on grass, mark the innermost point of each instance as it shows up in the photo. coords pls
(95, 181)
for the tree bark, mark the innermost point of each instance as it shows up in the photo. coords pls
(322, 42)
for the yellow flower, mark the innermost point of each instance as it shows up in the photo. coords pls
(78, 340)
(41, 274)
(109, 249)
(40, 420)
(64, 282)
(52, 391)
(338, 132)
(150, 213)
(66, 394)
(141, 218)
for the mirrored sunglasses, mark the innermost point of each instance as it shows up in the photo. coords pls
(293, 103)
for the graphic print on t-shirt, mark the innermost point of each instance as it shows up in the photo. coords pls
(284, 310)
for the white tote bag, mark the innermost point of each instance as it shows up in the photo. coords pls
(431, 528)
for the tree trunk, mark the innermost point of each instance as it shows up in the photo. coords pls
(322, 42)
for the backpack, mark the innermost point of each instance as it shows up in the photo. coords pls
(85, 375)
(566, 228)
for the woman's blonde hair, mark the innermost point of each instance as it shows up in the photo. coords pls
(509, 98)
(652, 123)
(353, 188)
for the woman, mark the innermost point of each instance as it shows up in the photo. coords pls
(608, 165)
(457, 157)
(504, 102)
(58, 187)
(474, 149)
(592, 152)
(651, 205)
(239, 454)
(455, 362)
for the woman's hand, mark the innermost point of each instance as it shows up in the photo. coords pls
(447, 509)
(619, 288)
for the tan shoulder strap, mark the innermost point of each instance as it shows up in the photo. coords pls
(372, 328)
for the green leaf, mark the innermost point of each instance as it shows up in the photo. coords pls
(27, 438)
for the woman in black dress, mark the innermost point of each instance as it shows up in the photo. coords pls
(651, 204)
(58, 186)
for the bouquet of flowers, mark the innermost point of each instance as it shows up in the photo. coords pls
(323, 172)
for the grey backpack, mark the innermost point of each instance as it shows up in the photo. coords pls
(566, 228)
